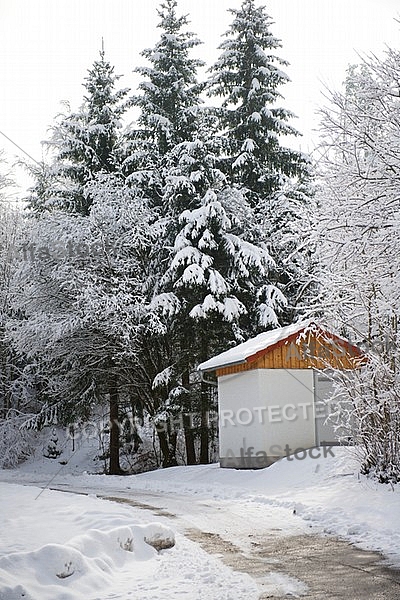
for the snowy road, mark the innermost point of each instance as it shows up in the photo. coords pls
(246, 536)
(288, 527)
(280, 551)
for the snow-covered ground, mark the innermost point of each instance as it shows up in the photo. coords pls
(60, 546)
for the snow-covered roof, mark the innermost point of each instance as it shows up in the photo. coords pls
(239, 354)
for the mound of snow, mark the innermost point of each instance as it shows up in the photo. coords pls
(57, 546)
(83, 565)
(158, 536)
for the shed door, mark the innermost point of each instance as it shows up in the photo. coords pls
(323, 392)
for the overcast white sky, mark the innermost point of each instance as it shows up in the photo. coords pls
(46, 47)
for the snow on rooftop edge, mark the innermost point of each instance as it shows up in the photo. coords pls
(240, 353)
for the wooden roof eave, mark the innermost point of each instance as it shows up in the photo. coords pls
(352, 350)
(224, 366)
(273, 347)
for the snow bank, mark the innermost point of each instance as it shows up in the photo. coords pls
(84, 565)
(111, 553)
(327, 493)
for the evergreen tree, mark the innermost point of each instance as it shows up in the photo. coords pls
(210, 283)
(215, 288)
(52, 450)
(247, 77)
(84, 144)
(170, 100)
(277, 179)
(170, 109)
(217, 268)
(86, 151)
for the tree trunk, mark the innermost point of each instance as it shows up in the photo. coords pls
(188, 429)
(172, 442)
(204, 407)
(115, 468)
(189, 441)
(204, 434)
(167, 449)
(163, 439)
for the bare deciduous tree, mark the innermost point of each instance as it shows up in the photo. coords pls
(359, 241)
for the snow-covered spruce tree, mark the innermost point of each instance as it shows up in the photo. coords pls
(216, 287)
(190, 186)
(86, 149)
(82, 303)
(248, 77)
(170, 92)
(169, 102)
(359, 245)
(83, 144)
(53, 449)
(216, 255)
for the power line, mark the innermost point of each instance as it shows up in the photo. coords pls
(19, 148)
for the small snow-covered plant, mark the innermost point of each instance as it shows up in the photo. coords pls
(68, 571)
(53, 450)
(126, 544)
(158, 536)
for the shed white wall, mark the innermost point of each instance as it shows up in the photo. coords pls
(266, 410)
(328, 431)
(238, 396)
(324, 389)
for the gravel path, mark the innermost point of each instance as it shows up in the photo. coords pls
(330, 568)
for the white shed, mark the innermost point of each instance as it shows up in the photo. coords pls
(274, 390)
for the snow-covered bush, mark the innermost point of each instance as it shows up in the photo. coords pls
(359, 248)
(367, 415)
(16, 442)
